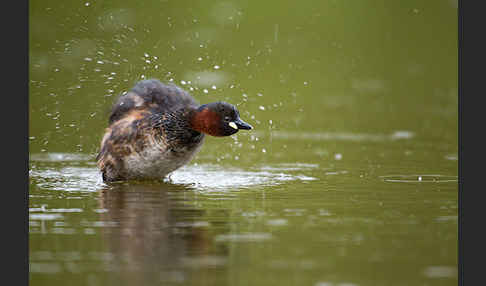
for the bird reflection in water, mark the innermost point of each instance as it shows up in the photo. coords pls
(151, 232)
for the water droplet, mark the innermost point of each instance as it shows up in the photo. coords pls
(216, 67)
(205, 91)
(264, 151)
(261, 107)
(183, 82)
(213, 87)
(338, 156)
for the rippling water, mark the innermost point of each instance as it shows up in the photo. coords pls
(200, 177)
(205, 218)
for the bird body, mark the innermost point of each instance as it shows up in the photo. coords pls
(155, 129)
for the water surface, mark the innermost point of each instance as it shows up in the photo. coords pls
(349, 177)
(334, 221)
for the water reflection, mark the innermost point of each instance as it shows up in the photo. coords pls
(155, 234)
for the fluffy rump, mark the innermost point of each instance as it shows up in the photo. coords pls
(151, 94)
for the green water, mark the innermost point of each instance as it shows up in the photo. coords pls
(349, 177)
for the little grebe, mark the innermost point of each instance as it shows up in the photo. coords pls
(155, 129)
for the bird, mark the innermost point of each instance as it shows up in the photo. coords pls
(156, 128)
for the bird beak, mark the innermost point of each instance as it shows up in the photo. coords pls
(242, 124)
